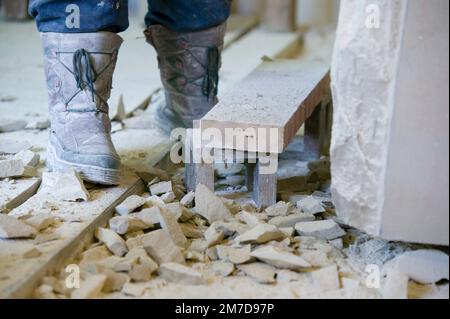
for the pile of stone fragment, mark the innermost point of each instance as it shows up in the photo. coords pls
(186, 238)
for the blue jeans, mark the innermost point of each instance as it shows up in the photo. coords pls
(77, 16)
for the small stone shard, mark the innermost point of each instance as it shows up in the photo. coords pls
(143, 269)
(160, 246)
(175, 209)
(150, 216)
(15, 168)
(9, 125)
(11, 227)
(170, 224)
(90, 288)
(316, 258)
(213, 236)
(280, 259)
(291, 220)
(222, 268)
(260, 234)
(260, 272)
(235, 255)
(65, 186)
(188, 199)
(310, 205)
(191, 231)
(40, 221)
(326, 279)
(279, 209)
(326, 229)
(33, 252)
(168, 197)
(127, 224)
(130, 204)
(161, 188)
(28, 158)
(112, 241)
(209, 205)
(249, 218)
(180, 274)
(13, 147)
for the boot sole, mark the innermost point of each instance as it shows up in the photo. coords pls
(93, 174)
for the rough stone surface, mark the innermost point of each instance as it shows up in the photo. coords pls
(11, 227)
(126, 224)
(112, 241)
(326, 229)
(209, 205)
(222, 268)
(291, 220)
(28, 158)
(40, 221)
(130, 204)
(180, 274)
(262, 273)
(260, 234)
(235, 255)
(160, 246)
(279, 258)
(310, 205)
(161, 188)
(188, 199)
(15, 168)
(64, 186)
(279, 209)
(170, 224)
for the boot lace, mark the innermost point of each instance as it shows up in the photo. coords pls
(84, 72)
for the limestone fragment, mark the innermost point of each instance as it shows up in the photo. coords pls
(65, 186)
(133, 289)
(112, 241)
(188, 199)
(425, 266)
(13, 147)
(316, 258)
(190, 231)
(15, 168)
(180, 274)
(9, 125)
(222, 268)
(11, 227)
(95, 253)
(235, 255)
(279, 209)
(150, 216)
(33, 252)
(126, 224)
(143, 269)
(260, 234)
(114, 281)
(291, 220)
(40, 221)
(280, 259)
(326, 279)
(90, 288)
(260, 272)
(175, 209)
(249, 218)
(310, 205)
(326, 229)
(170, 224)
(161, 188)
(213, 236)
(160, 246)
(28, 158)
(130, 204)
(209, 205)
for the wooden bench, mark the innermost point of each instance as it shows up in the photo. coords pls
(265, 110)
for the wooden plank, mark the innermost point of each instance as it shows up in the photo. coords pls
(279, 95)
(15, 9)
(20, 276)
(15, 192)
(280, 15)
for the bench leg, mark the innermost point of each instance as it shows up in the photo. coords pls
(264, 187)
(315, 133)
(249, 173)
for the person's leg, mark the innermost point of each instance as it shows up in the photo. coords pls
(79, 16)
(80, 54)
(188, 37)
(187, 15)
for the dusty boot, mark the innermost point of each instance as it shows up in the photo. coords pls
(189, 63)
(79, 69)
